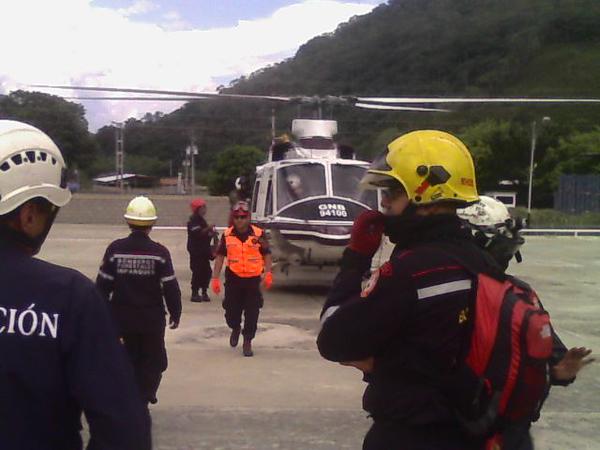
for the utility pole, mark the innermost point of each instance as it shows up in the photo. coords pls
(119, 153)
(532, 164)
(192, 151)
(273, 123)
(186, 171)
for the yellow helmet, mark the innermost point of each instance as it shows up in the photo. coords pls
(140, 212)
(431, 165)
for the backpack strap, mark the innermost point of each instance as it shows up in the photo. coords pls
(473, 258)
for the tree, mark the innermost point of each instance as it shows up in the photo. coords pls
(499, 152)
(233, 162)
(579, 153)
(63, 121)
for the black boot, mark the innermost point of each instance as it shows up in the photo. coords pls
(247, 347)
(195, 297)
(205, 297)
(234, 338)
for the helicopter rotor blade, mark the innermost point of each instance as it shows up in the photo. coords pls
(154, 99)
(163, 92)
(422, 100)
(361, 102)
(399, 108)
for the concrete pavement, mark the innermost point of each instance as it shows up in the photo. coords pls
(287, 397)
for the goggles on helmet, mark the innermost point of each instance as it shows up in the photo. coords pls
(241, 207)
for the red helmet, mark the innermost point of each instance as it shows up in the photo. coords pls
(197, 203)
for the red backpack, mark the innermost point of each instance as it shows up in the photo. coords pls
(506, 369)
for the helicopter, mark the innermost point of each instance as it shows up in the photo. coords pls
(306, 195)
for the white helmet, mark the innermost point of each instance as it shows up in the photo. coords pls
(140, 212)
(494, 229)
(31, 166)
(294, 182)
(487, 213)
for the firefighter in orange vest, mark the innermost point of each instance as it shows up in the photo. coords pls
(248, 261)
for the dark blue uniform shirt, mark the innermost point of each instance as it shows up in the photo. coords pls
(59, 355)
(136, 273)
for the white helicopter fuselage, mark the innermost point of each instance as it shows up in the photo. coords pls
(306, 197)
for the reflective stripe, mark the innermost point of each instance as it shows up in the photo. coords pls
(168, 278)
(105, 275)
(444, 288)
(197, 227)
(123, 255)
(328, 313)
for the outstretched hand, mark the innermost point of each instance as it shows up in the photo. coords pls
(573, 361)
(367, 232)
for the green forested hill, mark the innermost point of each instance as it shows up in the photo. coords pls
(413, 48)
(530, 48)
(449, 47)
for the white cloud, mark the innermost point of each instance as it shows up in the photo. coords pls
(73, 42)
(173, 21)
(138, 7)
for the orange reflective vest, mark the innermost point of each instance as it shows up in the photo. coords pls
(244, 258)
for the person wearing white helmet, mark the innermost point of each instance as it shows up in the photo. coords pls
(494, 229)
(59, 350)
(138, 279)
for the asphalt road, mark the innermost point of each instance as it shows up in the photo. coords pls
(287, 397)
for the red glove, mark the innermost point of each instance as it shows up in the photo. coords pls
(215, 285)
(367, 232)
(268, 280)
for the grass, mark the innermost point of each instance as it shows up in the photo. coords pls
(550, 218)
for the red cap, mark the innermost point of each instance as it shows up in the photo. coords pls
(241, 209)
(197, 203)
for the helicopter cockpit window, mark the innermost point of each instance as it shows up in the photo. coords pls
(299, 181)
(269, 199)
(255, 195)
(346, 179)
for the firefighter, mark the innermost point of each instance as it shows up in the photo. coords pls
(405, 330)
(60, 354)
(200, 234)
(136, 275)
(248, 260)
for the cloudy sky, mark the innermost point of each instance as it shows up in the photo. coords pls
(193, 45)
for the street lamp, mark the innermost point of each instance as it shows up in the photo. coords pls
(546, 119)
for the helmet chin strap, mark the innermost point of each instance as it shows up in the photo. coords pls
(33, 244)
